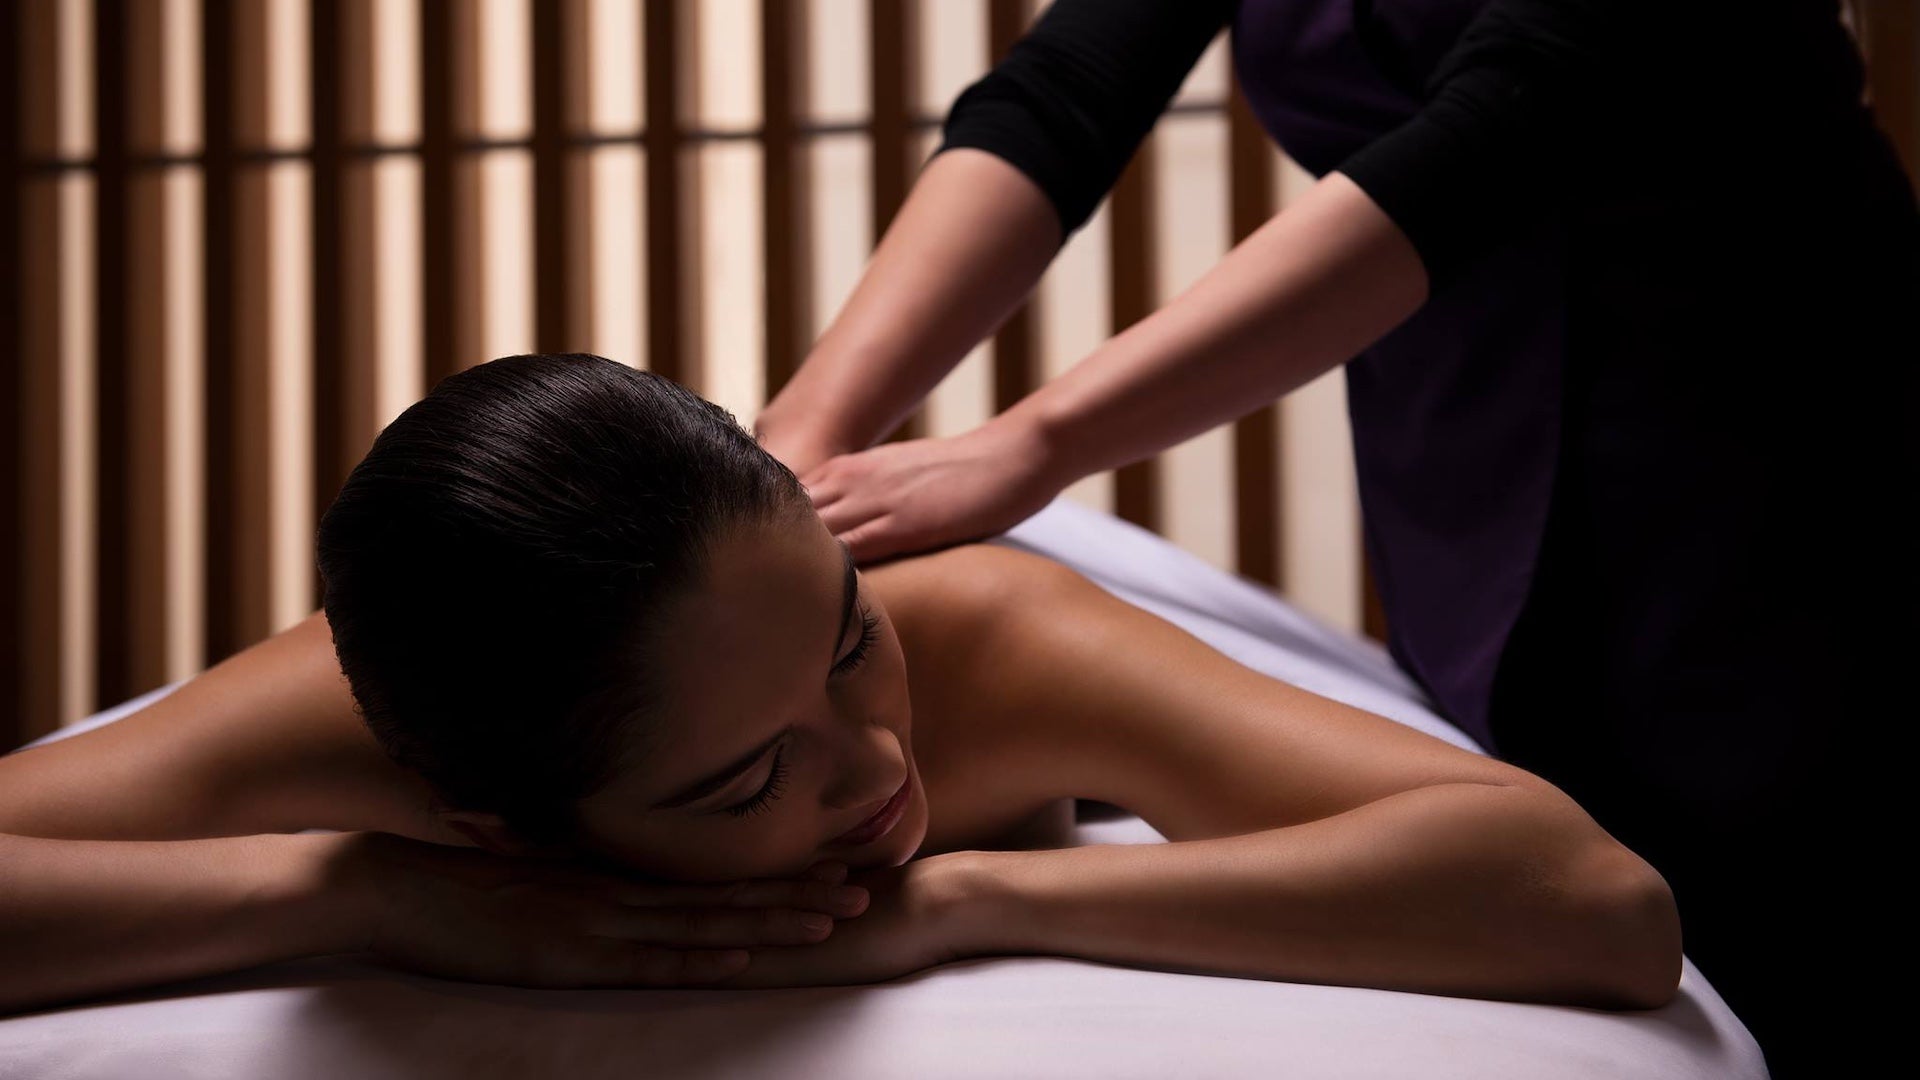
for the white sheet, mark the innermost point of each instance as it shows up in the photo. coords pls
(997, 1017)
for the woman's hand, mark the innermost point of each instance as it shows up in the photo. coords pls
(905, 497)
(466, 913)
(920, 917)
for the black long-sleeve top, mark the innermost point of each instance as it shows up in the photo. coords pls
(1532, 98)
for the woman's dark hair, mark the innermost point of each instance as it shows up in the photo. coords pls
(496, 567)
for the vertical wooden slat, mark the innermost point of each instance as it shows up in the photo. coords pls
(889, 124)
(1191, 215)
(1016, 362)
(113, 409)
(553, 277)
(609, 214)
(1135, 486)
(378, 367)
(436, 197)
(492, 243)
(781, 89)
(324, 33)
(216, 95)
(1889, 31)
(13, 91)
(162, 315)
(888, 44)
(273, 322)
(665, 240)
(1257, 495)
(57, 317)
(579, 210)
(57, 400)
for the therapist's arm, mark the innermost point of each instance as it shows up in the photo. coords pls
(968, 245)
(1309, 289)
(1029, 150)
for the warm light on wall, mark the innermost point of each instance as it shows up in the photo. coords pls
(247, 233)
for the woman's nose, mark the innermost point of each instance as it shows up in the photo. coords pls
(874, 768)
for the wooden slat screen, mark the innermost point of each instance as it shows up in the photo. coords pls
(244, 234)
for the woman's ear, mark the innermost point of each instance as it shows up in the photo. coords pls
(488, 831)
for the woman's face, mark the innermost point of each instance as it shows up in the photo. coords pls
(786, 721)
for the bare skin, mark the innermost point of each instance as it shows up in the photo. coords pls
(1311, 841)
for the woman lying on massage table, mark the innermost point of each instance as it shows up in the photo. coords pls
(596, 700)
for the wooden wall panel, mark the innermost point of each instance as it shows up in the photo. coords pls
(56, 317)
(113, 416)
(664, 36)
(1130, 235)
(58, 467)
(218, 39)
(558, 326)
(244, 234)
(335, 62)
(610, 222)
(161, 622)
(1258, 495)
(782, 80)
(442, 36)
(1889, 31)
(165, 615)
(1190, 220)
(13, 568)
(1072, 308)
(272, 318)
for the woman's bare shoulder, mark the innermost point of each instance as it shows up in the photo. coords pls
(1094, 697)
(968, 579)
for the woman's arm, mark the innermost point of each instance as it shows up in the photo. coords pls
(1309, 840)
(125, 858)
(1463, 889)
(85, 917)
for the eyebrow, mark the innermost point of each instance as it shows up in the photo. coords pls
(731, 771)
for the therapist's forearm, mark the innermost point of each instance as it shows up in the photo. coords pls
(967, 246)
(80, 918)
(1468, 890)
(1308, 290)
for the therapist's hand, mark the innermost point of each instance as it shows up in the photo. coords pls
(906, 497)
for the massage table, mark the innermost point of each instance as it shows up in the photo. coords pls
(1018, 1016)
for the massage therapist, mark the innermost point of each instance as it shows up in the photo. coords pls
(1625, 293)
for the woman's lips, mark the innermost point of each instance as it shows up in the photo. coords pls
(882, 821)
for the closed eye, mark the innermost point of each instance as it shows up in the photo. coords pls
(869, 633)
(767, 793)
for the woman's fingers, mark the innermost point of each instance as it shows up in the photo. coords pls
(711, 927)
(825, 896)
(832, 872)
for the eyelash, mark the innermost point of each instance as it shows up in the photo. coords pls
(869, 633)
(767, 794)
